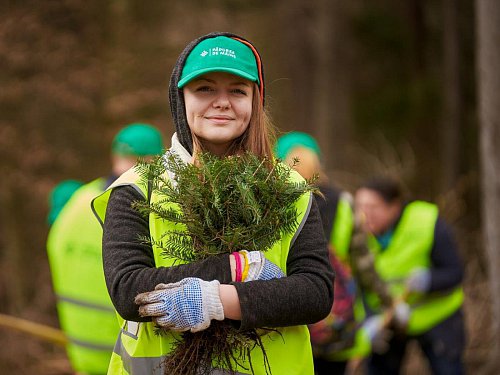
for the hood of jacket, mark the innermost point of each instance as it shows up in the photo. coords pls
(176, 96)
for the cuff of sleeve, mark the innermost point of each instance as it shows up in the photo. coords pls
(212, 299)
(255, 261)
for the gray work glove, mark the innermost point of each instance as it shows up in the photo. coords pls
(260, 268)
(378, 333)
(401, 315)
(419, 281)
(189, 304)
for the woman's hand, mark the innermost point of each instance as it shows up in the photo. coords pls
(253, 265)
(189, 304)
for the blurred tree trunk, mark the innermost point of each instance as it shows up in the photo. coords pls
(16, 288)
(418, 38)
(332, 89)
(488, 61)
(317, 44)
(452, 93)
(297, 19)
(50, 104)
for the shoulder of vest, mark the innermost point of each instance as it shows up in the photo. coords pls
(294, 175)
(346, 198)
(421, 206)
(93, 186)
(418, 215)
(131, 178)
(86, 192)
(80, 200)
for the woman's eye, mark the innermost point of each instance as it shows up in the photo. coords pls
(204, 89)
(239, 92)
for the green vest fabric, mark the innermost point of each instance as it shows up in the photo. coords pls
(85, 311)
(340, 237)
(409, 249)
(139, 350)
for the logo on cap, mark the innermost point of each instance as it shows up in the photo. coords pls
(218, 51)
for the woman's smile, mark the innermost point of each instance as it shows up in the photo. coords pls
(218, 109)
(220, 119)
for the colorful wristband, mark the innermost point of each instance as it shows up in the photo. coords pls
(237, 259)
(247, 266)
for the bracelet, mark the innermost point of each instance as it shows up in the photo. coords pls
(237, 259)
(247, 265)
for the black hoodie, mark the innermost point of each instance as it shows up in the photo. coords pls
(303, 297)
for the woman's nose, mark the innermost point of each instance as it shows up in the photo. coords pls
(222, 101)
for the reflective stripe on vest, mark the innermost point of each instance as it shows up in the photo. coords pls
(290, 342)
(409, 249)
(86, 304)
(90, 345)
(85, 311)
(145, 365)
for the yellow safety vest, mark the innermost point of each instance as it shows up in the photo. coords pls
(340, 237)
(86, 313)
(139, 350)
(409, 249)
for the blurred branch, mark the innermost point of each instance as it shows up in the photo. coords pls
(38, 330)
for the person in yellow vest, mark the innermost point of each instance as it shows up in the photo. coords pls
(335, 339)
(217, 102)
(59, 196)
(86, 314)
(416, 255)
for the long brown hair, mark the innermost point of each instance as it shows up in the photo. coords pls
(258, 137)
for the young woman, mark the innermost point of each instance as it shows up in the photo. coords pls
(217, 102)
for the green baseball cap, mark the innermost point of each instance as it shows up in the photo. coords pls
(59, 196)
(220, 54)
(289, 141)
(137, 140)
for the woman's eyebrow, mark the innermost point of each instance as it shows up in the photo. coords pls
(204, 79)
(234, 83)
(238, 83)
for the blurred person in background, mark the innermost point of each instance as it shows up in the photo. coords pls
(86, 314)
(59, 196)
(415, 254)
(335, 339)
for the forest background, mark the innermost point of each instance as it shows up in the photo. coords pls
(386, 86)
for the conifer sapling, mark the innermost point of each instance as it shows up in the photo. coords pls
(219, 205)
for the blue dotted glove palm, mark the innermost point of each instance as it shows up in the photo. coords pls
(261, 268)
(419, 281)
(189, 304)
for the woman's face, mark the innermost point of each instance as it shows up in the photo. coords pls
(218, 109)
(375, 213)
